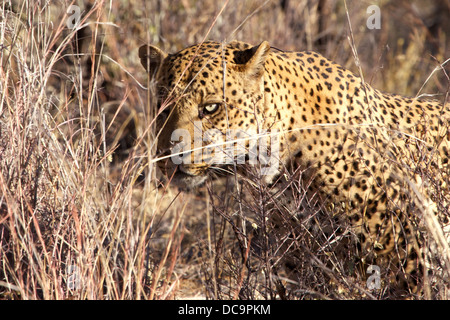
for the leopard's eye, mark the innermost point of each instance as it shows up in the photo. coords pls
(211, 108)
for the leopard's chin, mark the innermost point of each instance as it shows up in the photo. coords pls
(187, 182)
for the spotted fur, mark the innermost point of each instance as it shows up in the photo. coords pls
(370, 153)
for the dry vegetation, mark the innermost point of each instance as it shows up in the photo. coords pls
(82, 211)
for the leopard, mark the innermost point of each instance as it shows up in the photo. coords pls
(375, 158)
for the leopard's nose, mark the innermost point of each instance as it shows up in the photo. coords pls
(164, 153)
(180, 154)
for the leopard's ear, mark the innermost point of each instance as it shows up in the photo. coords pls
(151, 58)
(257, 55)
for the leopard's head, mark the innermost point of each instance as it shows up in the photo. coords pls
(208, 94)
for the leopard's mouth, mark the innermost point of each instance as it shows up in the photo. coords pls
(186, 178)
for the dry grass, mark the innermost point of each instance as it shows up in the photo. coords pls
(82, 212)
